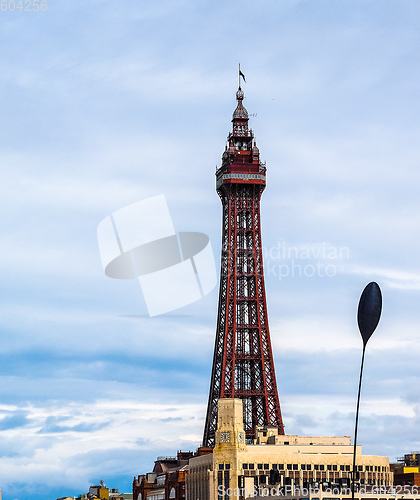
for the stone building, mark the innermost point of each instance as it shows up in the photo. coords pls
(282, 459)
(407, 470)
(166, 481)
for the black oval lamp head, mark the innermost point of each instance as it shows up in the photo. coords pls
(369, 312)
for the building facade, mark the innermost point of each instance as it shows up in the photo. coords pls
(275, 459)
(407, 470)
(167, 480)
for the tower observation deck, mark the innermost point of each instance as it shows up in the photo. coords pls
(243, 360)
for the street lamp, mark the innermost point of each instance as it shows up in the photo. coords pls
(368, 314)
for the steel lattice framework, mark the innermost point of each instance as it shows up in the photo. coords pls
(243, 361)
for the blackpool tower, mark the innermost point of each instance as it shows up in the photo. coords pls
(243, 360)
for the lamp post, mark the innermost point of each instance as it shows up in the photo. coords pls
(368, 315)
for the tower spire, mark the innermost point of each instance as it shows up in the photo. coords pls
(243, 362)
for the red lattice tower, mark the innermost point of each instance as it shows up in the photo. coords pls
(243, 360)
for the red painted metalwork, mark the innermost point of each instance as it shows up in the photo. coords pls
(243, 361)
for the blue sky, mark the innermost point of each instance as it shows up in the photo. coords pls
(106, 103)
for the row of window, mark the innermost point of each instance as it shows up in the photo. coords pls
(244, 176)
(319, 467)
(202, 468)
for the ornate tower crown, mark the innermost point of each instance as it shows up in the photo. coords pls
(240, 111)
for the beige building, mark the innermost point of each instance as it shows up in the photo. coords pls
(286, 460)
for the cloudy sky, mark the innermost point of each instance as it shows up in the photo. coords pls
(107, 103)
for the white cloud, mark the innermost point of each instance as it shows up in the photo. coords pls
(394, 278)
(56, 436)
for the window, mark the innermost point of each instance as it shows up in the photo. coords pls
(281, 466)
(226, 484)
(335, 467)
(321, 467)
(316, 467)
(266, 466)
(244, 466)
(329, 467)
(289, 466)
(308, 466)
(348, 468)
(295, 467)
(260, 466)
(221, 466)
(227, 466)
(250, 466)
(341, 467)
(219, 483)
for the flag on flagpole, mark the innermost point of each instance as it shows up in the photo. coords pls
(241, 74)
